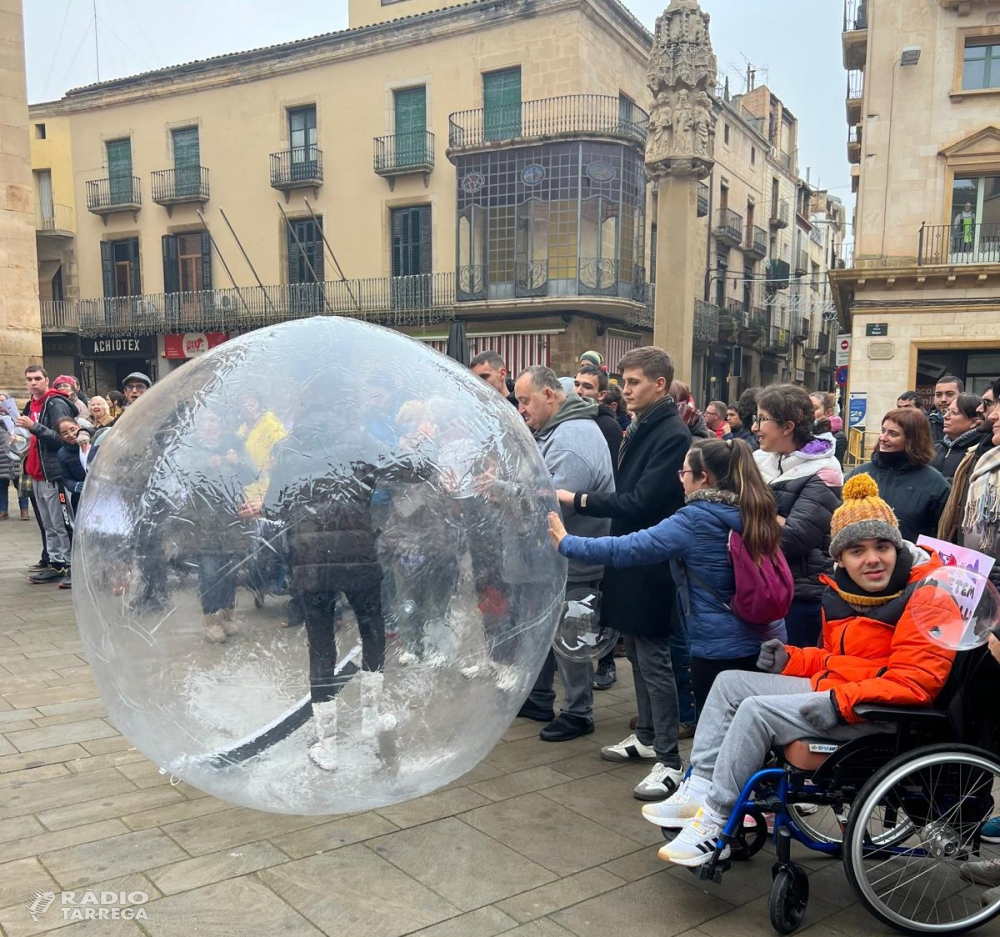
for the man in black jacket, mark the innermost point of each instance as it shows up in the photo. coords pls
(637, 602)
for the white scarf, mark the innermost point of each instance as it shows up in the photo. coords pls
(778, 467)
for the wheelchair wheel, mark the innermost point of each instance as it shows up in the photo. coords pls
(912, 846)
(789, 896)
(821, 822)
(750, 837)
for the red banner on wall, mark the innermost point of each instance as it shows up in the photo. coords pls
(191, 344)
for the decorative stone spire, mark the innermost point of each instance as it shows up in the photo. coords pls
(682, 76)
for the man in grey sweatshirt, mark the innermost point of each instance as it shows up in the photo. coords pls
(576, 454)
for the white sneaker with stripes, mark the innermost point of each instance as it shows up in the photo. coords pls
(695, 844)
(631, 749)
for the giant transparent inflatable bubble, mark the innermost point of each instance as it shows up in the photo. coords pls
(313, 569)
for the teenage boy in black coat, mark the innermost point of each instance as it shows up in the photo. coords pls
(637, 602)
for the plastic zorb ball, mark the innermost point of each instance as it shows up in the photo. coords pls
(313, 571)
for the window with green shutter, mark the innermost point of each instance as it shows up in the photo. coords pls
(502, 104)
(187, 161)
(187, 262)
(120, 170)
(306, 251)
(302, 140)
(411, 256)
(120, 267)
(410, 105)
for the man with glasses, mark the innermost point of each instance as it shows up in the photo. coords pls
(40, 417)
(135, 385)
(950, 525)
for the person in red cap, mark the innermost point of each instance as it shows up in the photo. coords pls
(68, 385)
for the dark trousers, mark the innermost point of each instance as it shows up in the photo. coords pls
(318, 609)
(704, 671)
(803, 623)
(216, 582)
(655, 695)
(680, 655)
(22, 502)
(41, 529)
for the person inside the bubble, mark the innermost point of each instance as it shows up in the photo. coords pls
(877, 648)
(322, 494)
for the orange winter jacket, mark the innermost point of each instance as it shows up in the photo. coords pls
(882, 656)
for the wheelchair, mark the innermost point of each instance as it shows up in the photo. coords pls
(903, 810)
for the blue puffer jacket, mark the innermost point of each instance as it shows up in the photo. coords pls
(695, 538)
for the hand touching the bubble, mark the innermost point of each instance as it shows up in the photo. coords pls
(557, 529)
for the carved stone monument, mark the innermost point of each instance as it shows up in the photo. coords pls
(680, 151)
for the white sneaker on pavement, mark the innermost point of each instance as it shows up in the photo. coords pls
(984, 872)
(659, 784)
(674, 813)
(631, 749)
(695, 844)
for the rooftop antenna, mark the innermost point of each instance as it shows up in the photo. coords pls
(97, 44)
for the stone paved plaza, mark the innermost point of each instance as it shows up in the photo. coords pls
(540, 840)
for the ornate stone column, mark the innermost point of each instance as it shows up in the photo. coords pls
(20, 325)
(680, 151)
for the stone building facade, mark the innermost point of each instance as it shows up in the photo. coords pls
(922, 297)
(20, 337)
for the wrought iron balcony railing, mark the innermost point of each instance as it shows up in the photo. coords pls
(400, 153)
(729, 227)
(801, 262)
(296, 168)
(566, 116)
(855, 15)
(781, 214)
(777, 341)
(706, 322)
(963, 243)
(756, 319)
(114, 193)
(801, 328)
(54, 219)
(855, 84)
(818, 345)
(756, 242)
(392, 301)
(60, 315)
(175, 186)
(702, 200)
(586, 276)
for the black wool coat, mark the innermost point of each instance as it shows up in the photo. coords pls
(638, 601)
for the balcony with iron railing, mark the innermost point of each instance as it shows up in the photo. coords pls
(781, 214)
(818, 345)
(560, 279)
(703, 193)
(959, 243)
(755, 321)
(188, 184)
(59, 315)
(52, 220)
(801, 263)
(855, 95)
(729, 227)
(777, 341)
(706, 323)
(114, 194)
(854, 144)
(786, 160)
(801, 326)
(401, 154)
(390, 301)
(569, 116)
(855, 35)
(755, 246)
(298, 168)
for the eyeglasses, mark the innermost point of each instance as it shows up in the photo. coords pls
(135, 387)
(682, 472)
(987, 405)
(766, 419)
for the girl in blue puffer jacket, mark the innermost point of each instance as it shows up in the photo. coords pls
(724, 492)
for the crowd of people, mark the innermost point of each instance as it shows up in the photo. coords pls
(660, 505)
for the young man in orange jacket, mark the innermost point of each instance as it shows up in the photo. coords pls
(875, 649)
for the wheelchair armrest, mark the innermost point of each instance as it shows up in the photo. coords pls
(877, 712)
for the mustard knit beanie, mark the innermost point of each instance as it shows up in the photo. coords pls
(862, 516)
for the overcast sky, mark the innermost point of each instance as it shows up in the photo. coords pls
(797, 53)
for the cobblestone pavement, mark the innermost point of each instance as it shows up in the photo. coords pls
(540, 840)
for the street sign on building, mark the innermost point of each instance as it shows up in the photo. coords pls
(857, 409)
(843, 349)
(876, 329)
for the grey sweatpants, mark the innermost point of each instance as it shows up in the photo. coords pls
(54, 523)
(744, 716)
(577, 675)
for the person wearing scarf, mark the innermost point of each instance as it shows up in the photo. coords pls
(876, 648)
(963, 430)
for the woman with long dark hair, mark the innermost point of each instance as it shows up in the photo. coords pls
(723, 493)
(901, 467)
(806, 479)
